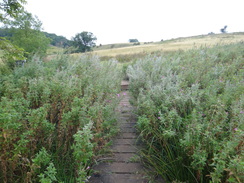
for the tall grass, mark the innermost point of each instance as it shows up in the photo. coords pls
(55, 118)
(191, 113)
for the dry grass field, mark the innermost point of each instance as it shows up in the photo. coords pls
(127, 51)
(112, 46)
(173, 45)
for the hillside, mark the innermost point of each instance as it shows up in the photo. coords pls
(126, 52)
(169, 45)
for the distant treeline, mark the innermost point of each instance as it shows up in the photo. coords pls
(59, 41)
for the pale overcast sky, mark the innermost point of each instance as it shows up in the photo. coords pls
(116, 21)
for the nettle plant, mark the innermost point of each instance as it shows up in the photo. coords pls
(56, 117)
(191, 113)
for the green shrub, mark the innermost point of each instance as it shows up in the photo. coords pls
(45, 111)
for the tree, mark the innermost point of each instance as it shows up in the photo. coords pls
(223, 30)
(11, 9)
(26, 34)
(11, 52)
(133, 40)
(84, 41)
(5, 32)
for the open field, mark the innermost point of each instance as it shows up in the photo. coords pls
(129, 50)
(124, 52)
(120, 50)
(112, 46)
(174, 45)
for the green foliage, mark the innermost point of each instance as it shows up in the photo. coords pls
(26, 34)
(55, 118)
(35, 42)
(11, 52)
(41, 158)
(191, 113)
(83, 151)
(58, 41)
(84, 41)
(11, 9)
(49, 174)
(5, 32)
(26, 21)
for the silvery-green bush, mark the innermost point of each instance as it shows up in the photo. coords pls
(191, 112)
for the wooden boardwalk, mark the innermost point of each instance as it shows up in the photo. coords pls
(122, 165)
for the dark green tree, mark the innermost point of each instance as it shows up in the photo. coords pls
(5, 32)
(11, 53)
(27, 34)
(59, 41)
(133, 40)
(84, 41)
(10, 9)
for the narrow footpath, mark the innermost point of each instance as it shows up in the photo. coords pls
(122, 165)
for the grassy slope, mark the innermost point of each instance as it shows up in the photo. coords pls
(174, 44)
(112, 46)
(130, 51)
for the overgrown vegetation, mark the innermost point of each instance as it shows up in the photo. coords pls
(191, 113)
(56, 117)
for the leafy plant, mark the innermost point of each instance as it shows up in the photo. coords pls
(83, 150)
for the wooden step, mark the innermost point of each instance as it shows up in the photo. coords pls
(124, 141)
(120, 167)
(119, 148)
(118, 178)
(124, 157)
(127, 136)
(124, 85)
